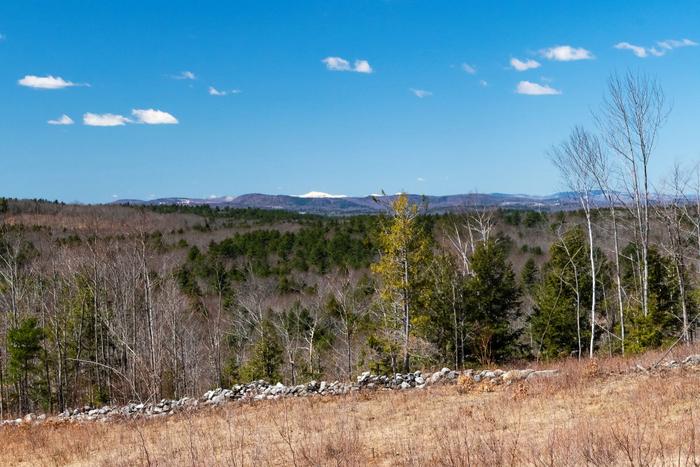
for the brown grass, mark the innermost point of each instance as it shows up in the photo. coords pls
(590, 415)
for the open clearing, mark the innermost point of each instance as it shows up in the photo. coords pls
(595, 414)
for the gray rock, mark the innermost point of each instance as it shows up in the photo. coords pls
(515, 375)
(363, 377)
(692, 360)
(542, 374)
(219, 399)
(435, 377)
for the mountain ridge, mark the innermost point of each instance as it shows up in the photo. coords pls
(346, 205)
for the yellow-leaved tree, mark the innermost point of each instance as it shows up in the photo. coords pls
(404, 255)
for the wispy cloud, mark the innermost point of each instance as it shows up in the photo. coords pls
(336, 64)
(91, 119)
(153, 117)
(566, 53)
(47, 82)
(420, 179)
(661, 48)
(467, 68)
(421, 93)
(483, 82)
(674, 44)
(185, 75)
(215, 92)
(144, 116)
(519, 65)
(62, 120)
(639, 51)
(534, 89)
(340, 64)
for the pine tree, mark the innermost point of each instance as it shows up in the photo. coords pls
(559, 323)
(530, 275)
(24, 346)
(492, 304)
(266, 359)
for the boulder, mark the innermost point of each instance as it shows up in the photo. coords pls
(363, 377)
(515, 375)
(435, 377)
(692, 360)
(542, 374)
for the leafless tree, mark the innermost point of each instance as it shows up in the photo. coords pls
(671, 211)
(632, 115)
(575, 159)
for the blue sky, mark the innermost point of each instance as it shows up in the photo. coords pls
(290, 123)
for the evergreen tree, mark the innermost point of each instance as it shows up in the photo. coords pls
(662, 322)
(530, 275)
(24, 346)
(266, 358)
(492, 304)
(559, 322)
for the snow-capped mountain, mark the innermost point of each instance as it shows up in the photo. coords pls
(319, 194)
(316, 202)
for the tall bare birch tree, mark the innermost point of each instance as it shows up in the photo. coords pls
(633, 112)
(575, 159)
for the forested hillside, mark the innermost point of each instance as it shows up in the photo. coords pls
(104, 304)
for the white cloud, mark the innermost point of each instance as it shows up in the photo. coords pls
(46, 82)
(420, 179)
(639, 51)
(674, 44)
(533, 89)
(421, 93)
(362, 66)
(215, 92)
(185, 75)
(62, 120)
(336, 64)
(483, 82)
(145, 116)
(566, 53)
(469, 68)
(663, 47)
(153, 117)
(91, 119)
(529, 64)
(340, 64)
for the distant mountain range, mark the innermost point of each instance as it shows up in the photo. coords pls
(324, 203)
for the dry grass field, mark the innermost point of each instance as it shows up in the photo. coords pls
(593, 414)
